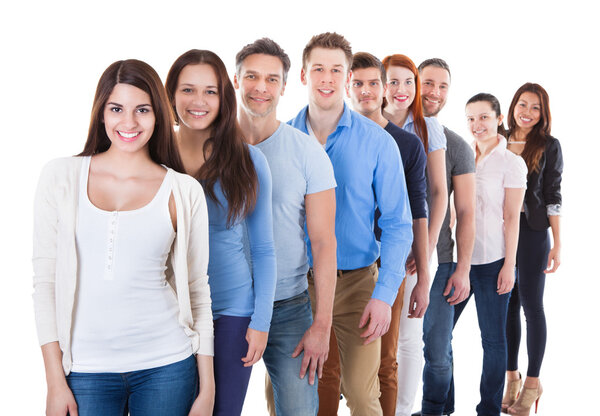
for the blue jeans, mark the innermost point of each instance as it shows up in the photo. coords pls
(166, 390)
(231, 377)
(440, 319)
(292, 395)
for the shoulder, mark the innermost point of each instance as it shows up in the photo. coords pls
(186, 183)
(362, 125)
(552, 143)
(61, 169)
(515, 162)
(405, 139)
(435, 131)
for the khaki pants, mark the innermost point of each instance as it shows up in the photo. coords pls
(351, 368)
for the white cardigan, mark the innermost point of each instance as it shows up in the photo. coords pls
(55, 257)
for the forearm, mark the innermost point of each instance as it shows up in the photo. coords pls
(420, 249)
(555, 227)
(511, 239)
(465, 239)
(436, 175)
(324, 272)
(52, 355)
(206, 374)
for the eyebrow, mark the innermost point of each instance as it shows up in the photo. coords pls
(249, 71)
(121, 105)
(433, 80)
(366, 80)
(335, 65)
(193, 85)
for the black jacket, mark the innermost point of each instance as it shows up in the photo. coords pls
(543, 187)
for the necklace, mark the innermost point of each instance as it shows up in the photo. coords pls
(512, 141)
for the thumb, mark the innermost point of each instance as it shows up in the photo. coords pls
(364, 318)
(298, 349)
(448, 288)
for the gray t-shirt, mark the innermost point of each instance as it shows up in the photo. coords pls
(299, 166)
(459, 161)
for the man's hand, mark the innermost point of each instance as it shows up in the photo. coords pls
(419, 300)
(462, 287)
(257, 342)
(315, 344)
(378, 314)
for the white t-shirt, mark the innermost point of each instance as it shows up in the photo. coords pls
(498, 170)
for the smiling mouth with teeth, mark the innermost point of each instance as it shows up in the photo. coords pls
(128, 136)
(198, 113)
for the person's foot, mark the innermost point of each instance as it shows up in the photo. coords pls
(420, 414)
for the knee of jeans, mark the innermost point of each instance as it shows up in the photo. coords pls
(296, 397)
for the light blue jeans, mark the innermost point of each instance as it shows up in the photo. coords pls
(166, 390)
(293, 396)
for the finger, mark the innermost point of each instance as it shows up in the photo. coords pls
(370, 329)
(320, 364)
(72, 407)
(249, 354)
(254, 360)
(363, 319)
(298, 349)
(376, 334)
(304, 365)
(311, 371)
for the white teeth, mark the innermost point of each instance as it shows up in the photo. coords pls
(128, 135)
(198, 113)
(527, 120)
(326, 91)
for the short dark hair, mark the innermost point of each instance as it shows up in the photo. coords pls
(327, 40)
(363, 60)
(436, 62)
(263, 46)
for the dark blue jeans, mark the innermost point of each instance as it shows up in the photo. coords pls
(231, 377)
(440, 318)
(292, 395)
(165, 390)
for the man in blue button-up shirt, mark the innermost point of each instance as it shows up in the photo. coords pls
(369, 174)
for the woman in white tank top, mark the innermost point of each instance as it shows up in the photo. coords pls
(121, 308)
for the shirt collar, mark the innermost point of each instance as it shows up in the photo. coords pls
(409, 119)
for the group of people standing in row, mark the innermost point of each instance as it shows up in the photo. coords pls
(320, 234)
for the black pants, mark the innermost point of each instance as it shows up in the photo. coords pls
(532, 258)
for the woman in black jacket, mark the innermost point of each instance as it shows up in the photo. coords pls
(529, 124)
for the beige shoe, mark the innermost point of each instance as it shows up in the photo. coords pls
(522, 406)
(513, 387)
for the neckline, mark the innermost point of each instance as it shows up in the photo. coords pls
(86, 197)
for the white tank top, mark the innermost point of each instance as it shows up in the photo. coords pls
(125, 314)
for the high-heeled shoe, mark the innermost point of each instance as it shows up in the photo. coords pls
(513, 387)
(527, 397)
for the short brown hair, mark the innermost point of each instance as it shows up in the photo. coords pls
(327, 40)
(263, 46)
(363, 60)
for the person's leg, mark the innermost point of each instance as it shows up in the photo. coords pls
(409, 354)
(491, 315)
(534, 247)
(231, 377)
(513, 326)
(359, 362)
(437, 336)
(388, 369)
(99, 394)
(292, 396)
(166, 390)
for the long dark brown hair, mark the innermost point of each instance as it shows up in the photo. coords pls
(162, 146)
(535, 141)
(227, 157)
(416, 107)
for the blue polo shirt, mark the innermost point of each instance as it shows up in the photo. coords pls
(369, 174)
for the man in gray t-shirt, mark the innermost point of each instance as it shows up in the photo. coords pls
(451, 282)
(303, 199)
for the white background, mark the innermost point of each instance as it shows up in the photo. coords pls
(53, 53)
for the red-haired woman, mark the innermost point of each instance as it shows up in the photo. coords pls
(121, 304)
(403, 107)
(529, 124)
(237, 182)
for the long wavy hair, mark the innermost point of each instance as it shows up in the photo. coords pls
(535, 141)
(227, 157)
(162, 145)
(416, 107)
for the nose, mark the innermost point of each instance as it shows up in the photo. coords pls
(130, 120)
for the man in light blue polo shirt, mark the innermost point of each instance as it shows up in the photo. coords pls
(369, 174)
(303, 193)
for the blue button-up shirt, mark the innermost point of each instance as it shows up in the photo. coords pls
(369, 174)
